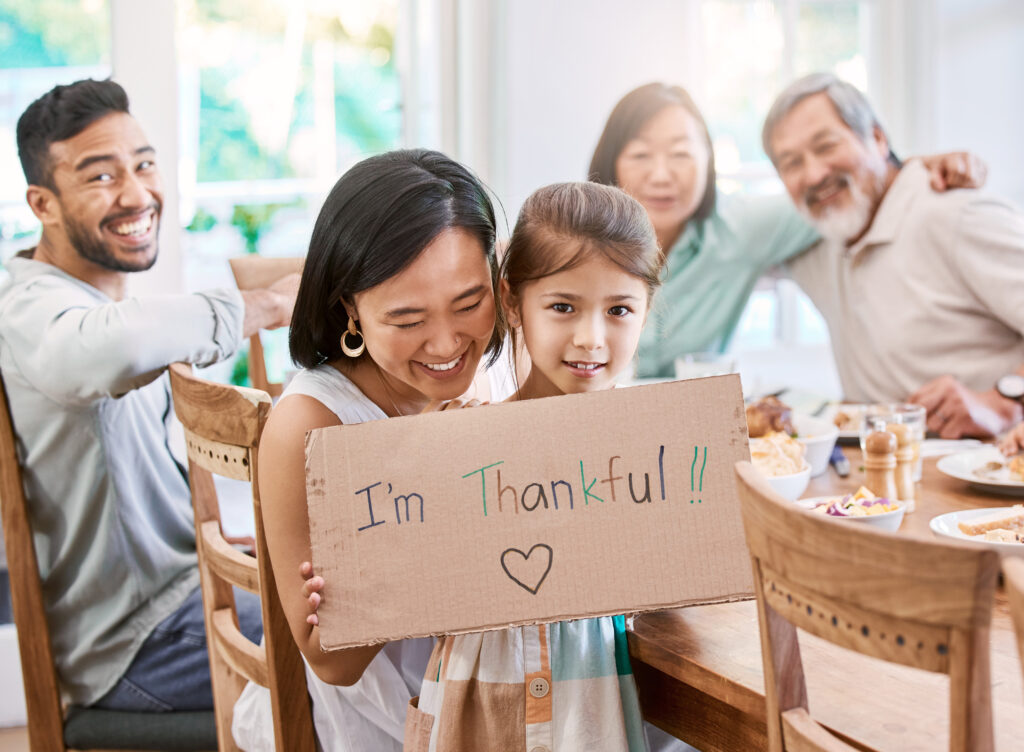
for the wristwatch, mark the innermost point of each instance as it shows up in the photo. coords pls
(1011, 386)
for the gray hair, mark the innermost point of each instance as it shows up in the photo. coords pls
(852, 106)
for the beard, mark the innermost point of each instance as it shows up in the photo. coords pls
(100, 253)
(843, 224)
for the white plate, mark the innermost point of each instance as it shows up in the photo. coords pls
(962, 465)
(849, 435)
(945, 526)
(942, 447)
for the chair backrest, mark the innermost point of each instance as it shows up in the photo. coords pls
(1013, 575)
(916, 602)
(253, 273)
(38, 672)
(222, 430)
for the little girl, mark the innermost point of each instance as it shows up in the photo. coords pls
(576, 281)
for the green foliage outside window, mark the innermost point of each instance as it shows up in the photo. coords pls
(48, 33)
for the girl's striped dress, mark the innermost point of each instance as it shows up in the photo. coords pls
(556, 687)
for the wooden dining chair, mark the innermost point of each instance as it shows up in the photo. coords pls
(253, 273)
(222, 430)
(1013, 575)
(51, 727)
(921, 603)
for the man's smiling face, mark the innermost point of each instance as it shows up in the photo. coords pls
(109, 192)
(835, 179)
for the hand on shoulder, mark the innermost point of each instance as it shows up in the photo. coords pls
(958, 169)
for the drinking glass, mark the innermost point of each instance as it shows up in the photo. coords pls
(879, 417)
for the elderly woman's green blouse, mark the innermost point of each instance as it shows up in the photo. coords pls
(710, 272)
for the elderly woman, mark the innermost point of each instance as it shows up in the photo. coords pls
(656, 147)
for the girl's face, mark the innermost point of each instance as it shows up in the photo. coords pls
(665, 168)
(580, 326)
(428, 326)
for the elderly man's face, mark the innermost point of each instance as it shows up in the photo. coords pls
(835, 179)
(109, 193)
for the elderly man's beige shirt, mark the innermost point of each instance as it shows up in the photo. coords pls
(936, 286)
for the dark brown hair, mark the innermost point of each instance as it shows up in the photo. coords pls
(630, 115)
(377, 219)
(62, 113)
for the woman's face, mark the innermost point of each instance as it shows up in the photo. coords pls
(665, 168)
(428, 326)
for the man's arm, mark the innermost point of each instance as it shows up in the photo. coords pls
(75, 350)
(988, 256)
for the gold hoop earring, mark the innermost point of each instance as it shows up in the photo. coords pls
(349, 350)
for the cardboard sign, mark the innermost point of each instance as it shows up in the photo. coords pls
(527, 512)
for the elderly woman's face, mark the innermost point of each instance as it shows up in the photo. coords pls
(665, 168)
(428, 326)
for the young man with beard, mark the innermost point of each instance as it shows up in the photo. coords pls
(85, 372)
(920, 290)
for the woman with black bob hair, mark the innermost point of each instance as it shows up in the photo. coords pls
(383, 212)
(395, 313)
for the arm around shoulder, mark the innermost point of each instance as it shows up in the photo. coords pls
(282, 482)
(772, 228)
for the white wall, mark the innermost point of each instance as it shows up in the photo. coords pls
(564, 66)
(979, 86)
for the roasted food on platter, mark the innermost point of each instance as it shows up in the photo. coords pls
(767, 415)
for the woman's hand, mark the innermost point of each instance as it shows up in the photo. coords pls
(311, 587)
(1013, 442)
(957, 169)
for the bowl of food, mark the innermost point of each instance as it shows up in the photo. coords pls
(780, 458)
(790, 486)
(862, 507)
(819, 437)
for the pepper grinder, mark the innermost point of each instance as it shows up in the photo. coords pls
(880, 464)
(904, 463)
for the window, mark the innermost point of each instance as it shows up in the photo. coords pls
(276, 101)
(753, 48)
(42, 43)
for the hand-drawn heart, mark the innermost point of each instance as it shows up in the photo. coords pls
(528, 571)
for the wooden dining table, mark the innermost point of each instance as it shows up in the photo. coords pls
(700, 677)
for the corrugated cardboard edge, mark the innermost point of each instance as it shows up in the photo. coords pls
(733, 598)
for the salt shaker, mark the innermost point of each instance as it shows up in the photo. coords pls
(904, 463)
(880, 464)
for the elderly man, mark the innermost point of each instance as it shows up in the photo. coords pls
(84, 367)
(920, 290)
